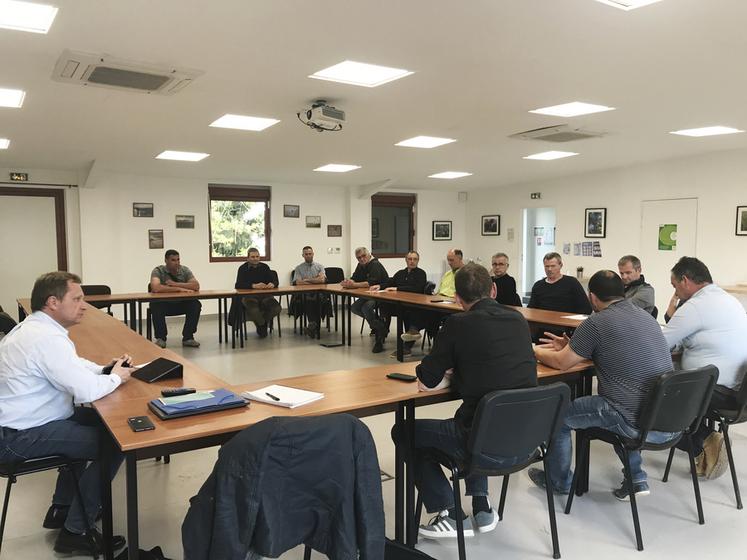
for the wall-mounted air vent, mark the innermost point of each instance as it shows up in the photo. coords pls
(558, 133)
(105, 71)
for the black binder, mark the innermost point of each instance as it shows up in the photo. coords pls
(160, 368)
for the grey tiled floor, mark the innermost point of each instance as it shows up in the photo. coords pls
(599, 527)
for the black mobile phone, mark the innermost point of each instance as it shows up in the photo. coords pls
(402, 377)
(437, 300)
(140, 424)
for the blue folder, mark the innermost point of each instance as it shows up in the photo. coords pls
(222, 399)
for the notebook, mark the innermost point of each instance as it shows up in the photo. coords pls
(288, 397)
(195, 403)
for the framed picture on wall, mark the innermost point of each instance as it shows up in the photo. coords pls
(185, 221)
(741, 228)
(314, 221)
(595, 222)
(491, 225)
(142, 209)
(334, 231)
(155, 239)
(441, 230)
(291, 211)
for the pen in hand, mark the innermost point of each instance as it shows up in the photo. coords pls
(273, 397)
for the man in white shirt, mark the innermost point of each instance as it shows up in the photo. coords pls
(711, 328)
(41, 378)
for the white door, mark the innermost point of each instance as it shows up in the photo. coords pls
(28, 246)
(539, 239)
(668, 232)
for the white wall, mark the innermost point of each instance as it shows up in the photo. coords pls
(718, 180)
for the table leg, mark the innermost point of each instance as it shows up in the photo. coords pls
(350, 320)
(411, 524)
(400, 344)
(220, 320)
(140, 318)
(399, 473)
(105, 449)
(133, 539)
(133, 316)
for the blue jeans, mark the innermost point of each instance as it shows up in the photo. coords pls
(594, 412)
(430, 479)
(77, 437)
(366, 308)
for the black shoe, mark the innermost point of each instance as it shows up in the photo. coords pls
(262, 331)
(89, 543)
(312, 330)
(56, 516)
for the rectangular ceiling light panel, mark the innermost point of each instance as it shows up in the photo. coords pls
(26, 16)
(360, 74)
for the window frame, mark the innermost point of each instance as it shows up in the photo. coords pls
(240, 193)
(395, 201)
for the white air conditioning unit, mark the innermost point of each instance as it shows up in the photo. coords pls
(106, 71)
(558, 133)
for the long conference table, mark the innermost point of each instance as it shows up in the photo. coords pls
(361, 392)
(399, 300)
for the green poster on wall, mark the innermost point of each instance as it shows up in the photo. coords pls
(667, 237)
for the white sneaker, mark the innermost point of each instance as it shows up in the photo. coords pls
(444, 527)
(411, 337)
(486, 521)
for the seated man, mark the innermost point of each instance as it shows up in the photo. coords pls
(173, 277)
(710, 326)
(455, 259)
(637, 289)
(487, 347)
(309, 272)
(412, 279)
(41, 378)
(369, 273)
(629, 353)
(505, 285)
(256, 275)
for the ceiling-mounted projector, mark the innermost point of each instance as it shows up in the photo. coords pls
(322, 117)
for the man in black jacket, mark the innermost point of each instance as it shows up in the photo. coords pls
(371, 274)
(488, 347)
(256, 275)
(411, 279)
(505, 285)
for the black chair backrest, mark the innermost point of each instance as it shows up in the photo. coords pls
(334, 274)
(274, 277)
(293, 276)
(149, 286)
(741, 412)
(95, 290)
(429, 287)
(678, 400)
(655, 312)
(515, 422)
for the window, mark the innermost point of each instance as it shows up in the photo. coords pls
(239, 219)
(392, 224)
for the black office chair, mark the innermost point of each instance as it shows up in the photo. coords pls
(98, 290)
(512, 423)
(725, 418)
(677, 403)
(430, 287)
(275, 281)
(7, 323)
(12, 471)
(655, 312)
(334, 275)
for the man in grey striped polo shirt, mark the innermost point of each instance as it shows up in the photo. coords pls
(629, 351)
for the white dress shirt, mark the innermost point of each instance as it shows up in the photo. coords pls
(711, 328)
(41, 375)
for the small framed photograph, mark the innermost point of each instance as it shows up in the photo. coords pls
(155, 239)
(142, 209)
(334, 231)
(291, 211)
(441, 230)
(595, 223)
(491, 225)
(374, 228)
(185, 222)
(314, 221)
(741, 228)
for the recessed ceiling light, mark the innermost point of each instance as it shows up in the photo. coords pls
(337, 168)
(360, 74)
(573, 109)
(26, 16)
(628, 5)
(182, 156)
(425, 142)
(707, 131)
(241, 122)
(450, 175)
(553, 154)
(11, 97)
(4, 143)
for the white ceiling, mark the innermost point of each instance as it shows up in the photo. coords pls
(479, 66)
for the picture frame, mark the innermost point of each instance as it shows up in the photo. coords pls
(185, 221)
(313, 221)
(374, 228)
(441, 230)
(142, 209)
(334, 230)
(491, 225)
(291, 211)
(595, 222)
(741, 226)
(155, 239)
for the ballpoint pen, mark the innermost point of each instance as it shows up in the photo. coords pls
(273, 397)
